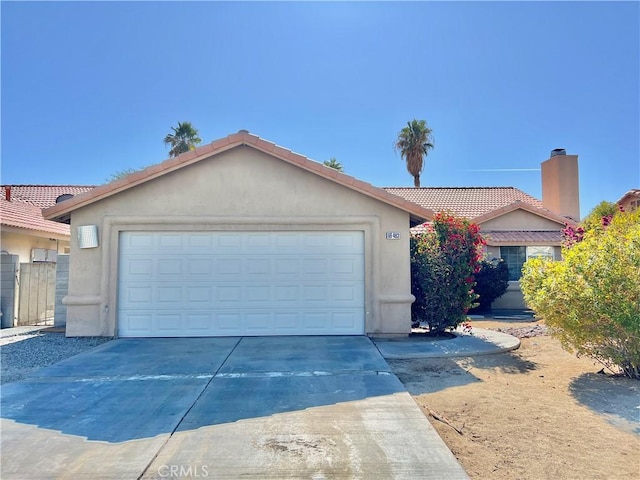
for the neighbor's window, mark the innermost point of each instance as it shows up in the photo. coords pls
(515, 257)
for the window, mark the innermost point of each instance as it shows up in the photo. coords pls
(541, 252)
(515, 257)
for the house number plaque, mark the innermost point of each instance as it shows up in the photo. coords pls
(393, 235)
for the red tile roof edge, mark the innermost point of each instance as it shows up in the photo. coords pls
(219, 146)
(22, 215)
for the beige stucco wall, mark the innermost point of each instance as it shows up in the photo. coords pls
(520, 220)
(18, 243)
(241, 189)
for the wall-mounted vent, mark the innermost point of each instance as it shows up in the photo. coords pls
(63, 197)
(558, 151)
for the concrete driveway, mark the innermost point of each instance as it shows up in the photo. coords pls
(253, 407)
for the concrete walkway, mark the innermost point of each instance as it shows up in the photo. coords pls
(479, 342)
(225, 408)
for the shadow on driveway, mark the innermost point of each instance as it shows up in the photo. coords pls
(131, 389)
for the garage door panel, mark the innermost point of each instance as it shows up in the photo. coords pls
(179, 324)
(198, 268)
(199, 241)
(241, 283)
(199, 322)
(229, 294)
(170, 267)
(139, 267)
(170, 241)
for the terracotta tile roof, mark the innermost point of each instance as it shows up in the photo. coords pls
(510, 237)
(523, 237)
(23, 215)
(469, 202)
(61, 212)
(25, 208)
(42, 195)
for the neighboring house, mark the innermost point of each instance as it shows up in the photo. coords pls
(630, 201)
(238, 237)
(30, 246)
(516, 225)
(24, 231)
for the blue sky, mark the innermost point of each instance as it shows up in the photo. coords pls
(92, 88)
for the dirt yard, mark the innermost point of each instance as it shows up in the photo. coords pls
(535, 413)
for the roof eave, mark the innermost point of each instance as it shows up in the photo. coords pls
(62, 211)
(34, 232)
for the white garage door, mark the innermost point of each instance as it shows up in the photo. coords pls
(188, 284)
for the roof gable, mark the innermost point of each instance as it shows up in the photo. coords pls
(62, 211)
(633, 193)
(519, 205)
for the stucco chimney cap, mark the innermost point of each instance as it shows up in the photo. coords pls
(558, 151)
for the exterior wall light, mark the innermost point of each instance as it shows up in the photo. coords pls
(88, 236)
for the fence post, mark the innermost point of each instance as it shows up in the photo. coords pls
(8, 290)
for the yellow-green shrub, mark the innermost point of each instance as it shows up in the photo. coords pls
(591, 299)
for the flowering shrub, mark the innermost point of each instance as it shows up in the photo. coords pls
(443, 262)
(591, 299)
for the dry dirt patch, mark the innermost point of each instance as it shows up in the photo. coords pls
(535, 413)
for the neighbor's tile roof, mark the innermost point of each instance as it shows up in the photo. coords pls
(510, 237)
(633, 193)
(27, 201)
(23, 215)
(468, 202)
(62, 211)
(43, 196)
(522, 237)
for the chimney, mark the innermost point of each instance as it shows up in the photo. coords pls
(560, 192)
(7, 193)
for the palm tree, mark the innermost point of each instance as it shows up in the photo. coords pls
(414, 142)
(183, 139)
(333, 163)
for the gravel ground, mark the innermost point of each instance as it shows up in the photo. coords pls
(525, 332)
(21, 355)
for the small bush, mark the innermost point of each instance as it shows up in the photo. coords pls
(443, 261)
(491, 282)
(591, 299)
